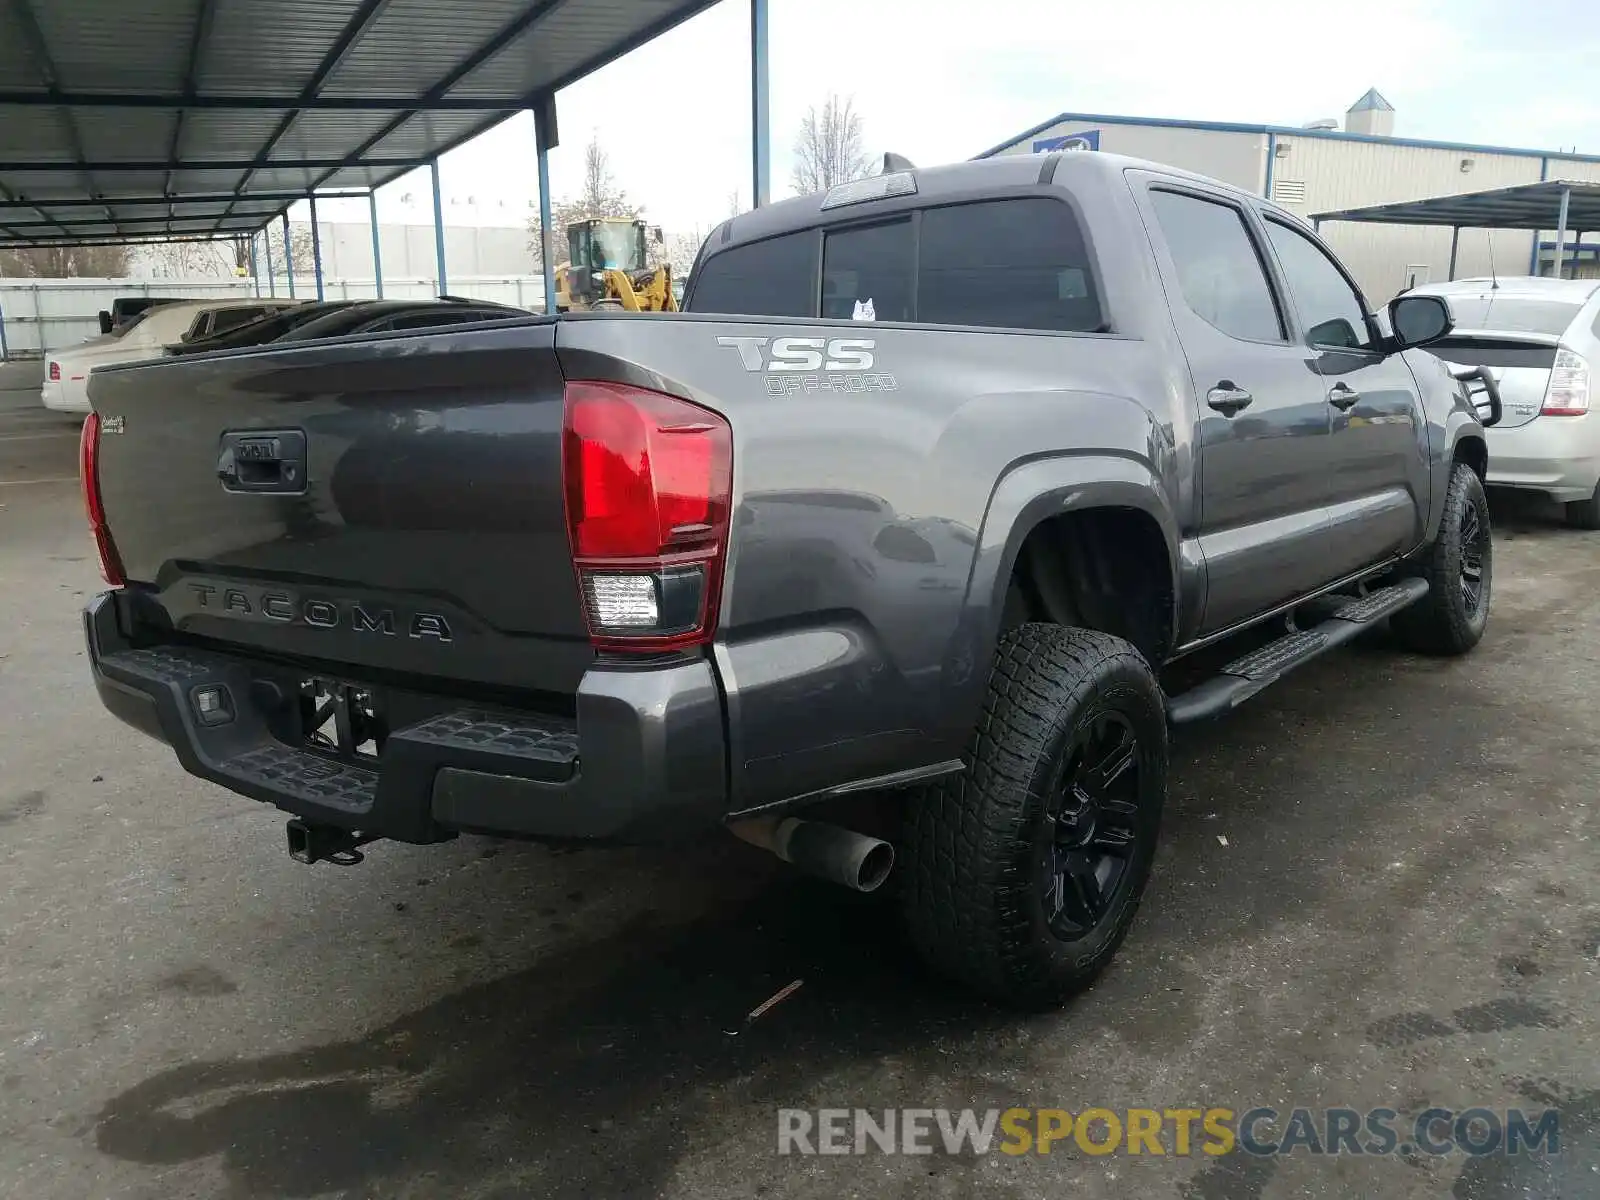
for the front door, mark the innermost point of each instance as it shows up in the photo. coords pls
(1261, 434)
(1376, 473)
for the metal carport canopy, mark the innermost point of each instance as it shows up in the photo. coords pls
(1534, 206)
(199, 118)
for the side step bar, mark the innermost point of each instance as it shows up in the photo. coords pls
(1244, 677)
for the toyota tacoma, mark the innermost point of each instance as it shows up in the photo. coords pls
(927, 504)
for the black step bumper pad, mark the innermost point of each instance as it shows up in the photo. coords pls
(643, 760)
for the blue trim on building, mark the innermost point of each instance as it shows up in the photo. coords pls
(1337, 135)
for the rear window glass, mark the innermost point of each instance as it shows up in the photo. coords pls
(773, 278)
(232, 318)
(1513, 314)
(1017, 264)
(1493, 352)
(866, 273)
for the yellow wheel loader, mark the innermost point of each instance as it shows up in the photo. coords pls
(606, 268)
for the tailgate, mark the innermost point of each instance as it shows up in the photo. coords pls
(389, 504)
(1519, 362)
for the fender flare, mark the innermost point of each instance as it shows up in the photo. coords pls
(1029, 492)
(1459, 426)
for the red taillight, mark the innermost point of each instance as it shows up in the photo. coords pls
(648, 480)
(89, 477)
(55, 372)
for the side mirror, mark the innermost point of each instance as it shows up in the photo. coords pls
(1419, 320)
(105, 321)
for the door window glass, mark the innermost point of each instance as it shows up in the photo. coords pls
(1219, 271)
(1333, 313)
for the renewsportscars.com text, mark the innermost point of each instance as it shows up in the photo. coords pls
(1179, 1132)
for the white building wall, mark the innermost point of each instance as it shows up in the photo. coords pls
(1313, 174)
(408, 250)
(1236, 158)
(1339, 174)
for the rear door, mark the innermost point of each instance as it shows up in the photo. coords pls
(1375, 478)
(1262, 434)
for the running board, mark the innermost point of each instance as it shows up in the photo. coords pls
(1244, 677)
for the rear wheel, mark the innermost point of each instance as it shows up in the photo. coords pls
(1585, 514)
(1025, 871)
(1459, 568)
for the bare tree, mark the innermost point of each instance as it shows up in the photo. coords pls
(680, 250)
(189, 260)
(299, 247)
(65, 262)
(599, 197)
(828, 150)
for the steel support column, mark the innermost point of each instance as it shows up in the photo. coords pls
(316, 246)
(438, 225)
(1533, 251)
(760, 108)
(1561, 231)
(266, 246)
(546, 137)
(377, 245)
(255, 274)
(1455, 245)
(288, 255)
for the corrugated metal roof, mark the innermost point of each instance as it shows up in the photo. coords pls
(1528, 206)
(112, 116)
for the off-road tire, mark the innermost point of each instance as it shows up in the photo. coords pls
(1446, 621)
(975, 845)
(1585, 514)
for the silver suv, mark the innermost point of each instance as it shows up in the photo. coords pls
(1540, 339)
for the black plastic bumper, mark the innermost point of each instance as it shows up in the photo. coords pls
(643, 760)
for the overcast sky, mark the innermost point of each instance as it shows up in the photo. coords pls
(939, 80)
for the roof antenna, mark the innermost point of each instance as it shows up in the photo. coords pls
(1494, 276)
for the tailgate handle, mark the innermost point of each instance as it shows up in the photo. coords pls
(263, 460)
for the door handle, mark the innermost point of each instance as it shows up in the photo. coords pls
(1343, 397)
(263, 461)
(1228, 398)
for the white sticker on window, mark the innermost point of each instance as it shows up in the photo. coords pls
(864, 311)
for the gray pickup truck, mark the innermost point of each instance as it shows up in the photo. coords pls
(895, 562)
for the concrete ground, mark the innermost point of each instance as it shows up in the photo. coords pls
(1377, 888)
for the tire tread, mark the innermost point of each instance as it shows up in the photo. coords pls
(964, 903)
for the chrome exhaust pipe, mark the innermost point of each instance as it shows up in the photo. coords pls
(830, 852)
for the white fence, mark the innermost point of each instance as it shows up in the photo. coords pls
(39, 315)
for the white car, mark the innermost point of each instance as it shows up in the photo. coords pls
(66, 372)
(1540, 339)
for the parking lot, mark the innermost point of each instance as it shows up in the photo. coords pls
(1378, 888)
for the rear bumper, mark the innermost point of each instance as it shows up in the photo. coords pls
(56, 396)
(644, 759)
(1559, 456)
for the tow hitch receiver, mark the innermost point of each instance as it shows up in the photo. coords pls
(325, 843)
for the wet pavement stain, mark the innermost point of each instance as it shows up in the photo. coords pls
(1571, 1174)
(1497, 1015)
(617, 1043)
